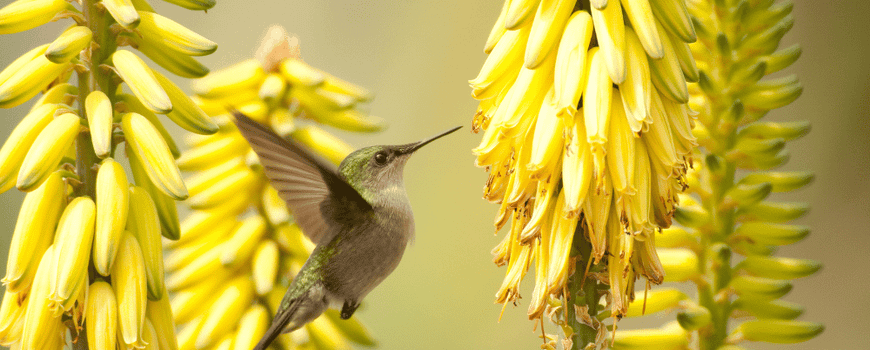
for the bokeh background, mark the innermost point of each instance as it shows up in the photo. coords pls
(417, 57)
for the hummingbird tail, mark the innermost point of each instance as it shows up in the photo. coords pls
(279, 323)
(299, 307)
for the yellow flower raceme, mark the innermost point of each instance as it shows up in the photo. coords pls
(584, 141)
(80, 209)
(239, 248)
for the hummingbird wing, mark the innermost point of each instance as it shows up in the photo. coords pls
(322, 203)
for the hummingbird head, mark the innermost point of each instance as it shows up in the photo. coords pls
(376, 171)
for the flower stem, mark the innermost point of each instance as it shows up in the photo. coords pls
(584, 293)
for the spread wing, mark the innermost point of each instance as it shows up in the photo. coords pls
(321, 202)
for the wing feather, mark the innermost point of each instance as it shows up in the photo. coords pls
(320, 200)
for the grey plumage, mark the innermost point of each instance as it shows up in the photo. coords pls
(358, 216)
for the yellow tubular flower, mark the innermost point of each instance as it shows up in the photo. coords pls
(583, 154)
(239, 247)
(64, 153)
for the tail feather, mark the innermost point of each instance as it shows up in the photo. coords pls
(279, 323)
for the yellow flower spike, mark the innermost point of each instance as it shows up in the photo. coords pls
(102, 317)
(324, 335)
(778, 331)
(621, 148)
(336, 85)
(63, 94)
(538, 302)
(34, 232)
(348, 119)
(252, 326)
(596, 208)
(779, 267)
(681, 125)
(501, 66)
(686, 59)
(245, 75)
(560, 247)
(636, 90)
(29, 80)
(75, 233)
(679, 264)
(610, 31)
(648, 261)
(298, 73)
(571, 57)
(769, 309)
(196, 5)
(659, 139)
(149, 336)
(99, 112)
(150, 149)
(160, 314)
(520, 13)
(773, 212)
(525, 98)
(615, 266)
(141, 81)
(548, 142)
(203, 267)
(156, 28)
(69, 44)
(131, 104)
(21, 62)
(184, 112)
(123, 12)
(781, 181)
(781, 59)
(23, 15)
(243, 242)
(641, 201)
(265, 266)
(640, 13)
(20, 141)
(674, 17)
(112, 207)
(544, 202)
(550, 20)
(41, 327)
(131, 291)
(596, 102)
(274, 207)
(187, 334)
(234, 184)
(200, 223)
(48, 148)
(326, 145)
(292, 240)
(667, 74)
(183, 254)
(351, 328)
(229, 305)
(166, 210)
(145, 226)
(176, 63)
(12, 315)
(669, 337)
(204, 156)
(498, 30)
(206, 179)
(516, 270)
(656, 300)
(273, 87)
(522, 186)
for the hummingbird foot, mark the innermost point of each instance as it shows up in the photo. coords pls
(348, 309)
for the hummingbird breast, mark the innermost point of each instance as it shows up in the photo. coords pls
(368, 251)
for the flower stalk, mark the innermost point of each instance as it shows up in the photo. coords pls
(63, 154)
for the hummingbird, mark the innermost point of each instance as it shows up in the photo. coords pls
(358, 216)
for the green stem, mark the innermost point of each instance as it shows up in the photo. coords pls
(582, 294)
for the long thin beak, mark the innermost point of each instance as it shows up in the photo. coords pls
(415, 146)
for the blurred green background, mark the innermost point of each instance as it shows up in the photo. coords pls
(417, 57)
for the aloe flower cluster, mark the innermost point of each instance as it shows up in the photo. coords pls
(240, 247)
(587, 139)
(85, 266)
(729, 229)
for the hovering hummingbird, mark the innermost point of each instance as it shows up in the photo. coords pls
(358, 216)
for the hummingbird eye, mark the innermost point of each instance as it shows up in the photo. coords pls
(381, 158)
